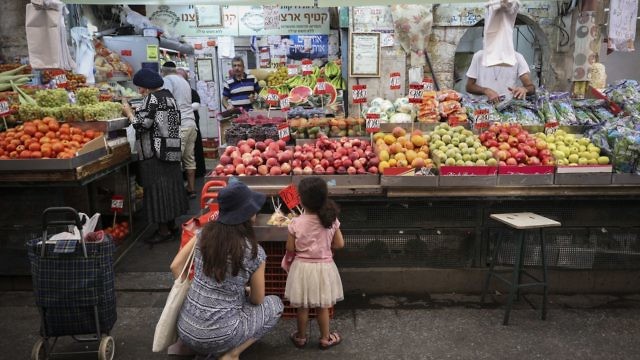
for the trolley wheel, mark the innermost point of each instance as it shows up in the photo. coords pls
(39, 351)
(107, 348)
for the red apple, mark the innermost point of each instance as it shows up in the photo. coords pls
(251, 170)
(318, 170)
(297, 171)
(330, 170)
(229, 169)
(219, 169)
(281, 144)
(261, 146)
(272, 162)
(263, 170)
(511, 161)
(286, 168)
(504, 146)
(257, 161)
(351, 170)
(240, 168)
(522, 137)
(373, 169)
(502, 155)
(533, 160)
(307, 170)
(520, 156)
(225, 159)
(276, 170)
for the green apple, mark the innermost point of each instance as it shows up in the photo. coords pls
(442, 132)
(551, 139)
(582, 148)
(480, 162)
(575, 150)
(551, 146)
(482, 156)
(592, 161)
(466, 157)
(559, 155)
(592, 155)
(460, 162)
(450, 161)
(463, 145)
(573, 158)
(593, 148)
(492, 162)
(603, 160)
(471, 141)
(458, 157)
(584, 141)
(469, 163)
(474, 157)
(583, 161)
(446, 138)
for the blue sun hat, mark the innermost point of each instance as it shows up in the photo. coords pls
(238, 203)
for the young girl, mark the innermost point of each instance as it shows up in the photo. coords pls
(313, 280)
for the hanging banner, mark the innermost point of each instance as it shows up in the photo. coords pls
(308, 46)
(586, 45)
(271, 17)
(293, 20)
(622, 25)
(183, 20)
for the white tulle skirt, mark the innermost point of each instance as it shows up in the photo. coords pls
(312, 285)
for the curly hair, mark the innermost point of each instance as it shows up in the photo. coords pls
(314, 195)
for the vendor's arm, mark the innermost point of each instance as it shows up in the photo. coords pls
(226, 95)
(225, 102)
(527, 87)
(473, 88)
(181, 258)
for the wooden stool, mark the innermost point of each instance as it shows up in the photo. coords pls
(521, 223)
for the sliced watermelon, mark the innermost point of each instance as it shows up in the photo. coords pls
(328, 89)
(300, 93)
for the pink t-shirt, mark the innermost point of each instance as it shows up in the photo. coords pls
(313, 241)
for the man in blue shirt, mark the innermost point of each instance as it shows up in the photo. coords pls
(241, 90)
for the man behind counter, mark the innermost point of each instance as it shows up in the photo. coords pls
(240, 90)
(494, 81)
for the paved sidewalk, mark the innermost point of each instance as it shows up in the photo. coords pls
(387, 327)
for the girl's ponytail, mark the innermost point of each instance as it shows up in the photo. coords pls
(328, 213)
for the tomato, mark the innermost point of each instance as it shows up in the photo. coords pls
(2, 152)
(44, 140)
(48, 119)
(24, 138)
(64, 130)
(86, 140)
(4, 157)
(76, 131)
(20, 148)
(34, 146)
(43, 128)
(36, 122)
(25, 154)
(38, 135)
(46, 150)
(10, 147)
(50, 134)
(36, 154)
(57, 146)
(13, 155)
(30, 129)
(90, 134)
(74, 144)
(54, 125)
(64, 137)
(77, 138)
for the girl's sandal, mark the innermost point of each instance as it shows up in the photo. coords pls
(297, 341)
(333, 340)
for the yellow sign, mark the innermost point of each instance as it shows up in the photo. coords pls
(152, 52)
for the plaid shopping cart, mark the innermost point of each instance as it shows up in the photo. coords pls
(73, 284)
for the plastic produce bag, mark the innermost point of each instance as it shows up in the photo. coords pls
(85, 53)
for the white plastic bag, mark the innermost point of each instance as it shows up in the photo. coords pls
(90, 224)
(85, 53)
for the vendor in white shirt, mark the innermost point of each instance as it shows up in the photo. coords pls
(498, 69)
(491, 82)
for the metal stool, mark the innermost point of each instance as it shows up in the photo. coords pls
(521, 223)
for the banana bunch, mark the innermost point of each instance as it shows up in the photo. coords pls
(283, 89)
(332, 70)
(302, 80)
(337, 82)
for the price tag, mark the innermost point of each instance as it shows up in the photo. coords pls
(359, 94)
(117, 203)
(292, 70)
(320, 88)
(551, 127)
(415, 93)
(394, 81)
(283, 132)
(427, 84)
(290, 196)
(284, 103)
(481, 125)
(373, 123)
(126, 52)
(307, 67)
(273, 97)
(482, 116)
(58, 79)
(4, 108)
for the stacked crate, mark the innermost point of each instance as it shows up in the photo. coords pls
(276, 277)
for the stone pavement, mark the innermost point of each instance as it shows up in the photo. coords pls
(447, 326)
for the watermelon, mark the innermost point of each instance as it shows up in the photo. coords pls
(300, 94)
(328, 89)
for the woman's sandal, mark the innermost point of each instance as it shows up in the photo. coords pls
(297, 341)
(334, 339)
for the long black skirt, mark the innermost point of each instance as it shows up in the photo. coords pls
(165, 197)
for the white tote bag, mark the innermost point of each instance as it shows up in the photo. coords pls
(166, 329)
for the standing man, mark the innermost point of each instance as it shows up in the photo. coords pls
(241, 89)
(181, 91)
(495, 70)
(198, 150)
(490, 82)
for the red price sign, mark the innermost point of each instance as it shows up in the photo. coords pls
(4, 108)
(373, 123)
(320, 88)
(117, 203)
(481, 125)
(58, 79)
(427, 84)
(273, 97)
(127, 52)
(284, 102)
(290, 196)
(359, 94)
(415, 93)
(283, 132)
(292, 70)
(551, 127)
(394, 81)
(307, 67)
(482, 117)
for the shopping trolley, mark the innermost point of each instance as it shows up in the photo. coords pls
(73, 284)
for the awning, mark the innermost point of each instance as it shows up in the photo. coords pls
(320, 3)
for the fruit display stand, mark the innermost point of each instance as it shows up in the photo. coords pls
(31, 185)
